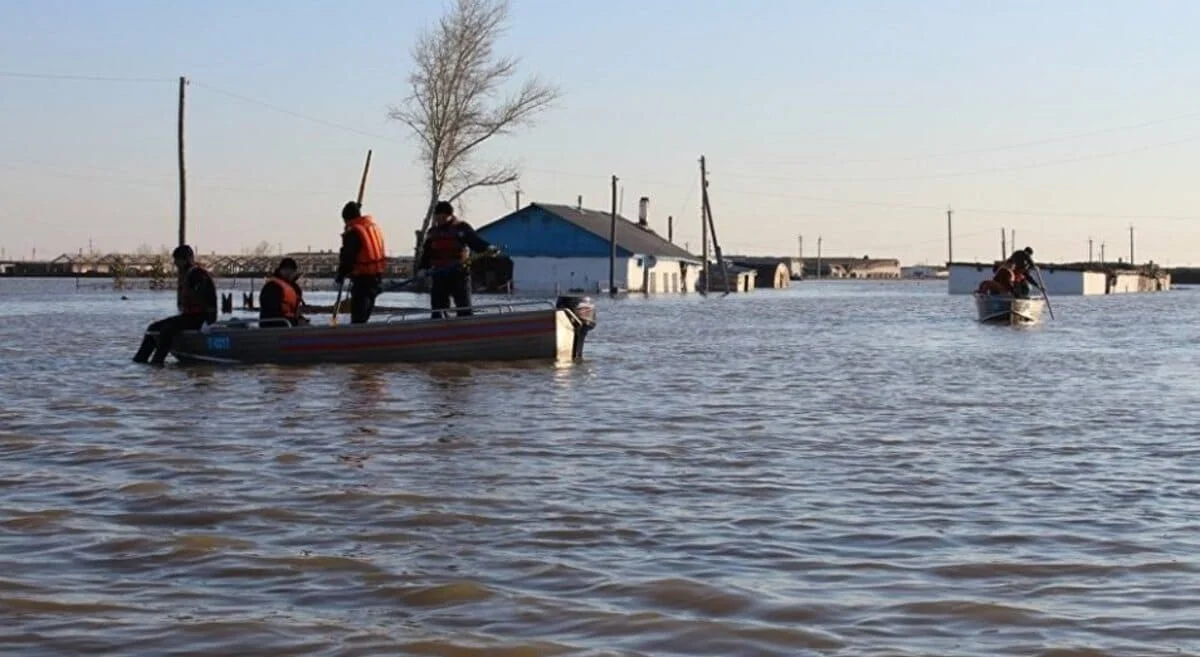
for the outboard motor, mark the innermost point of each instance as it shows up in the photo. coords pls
(582, 312)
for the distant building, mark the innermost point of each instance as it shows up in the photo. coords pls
(559, 248)
(1076, 278)
(924, 272)
(864, 267)
(741, 279)
(769, 272)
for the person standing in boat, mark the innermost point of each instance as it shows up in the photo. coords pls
(1021, 264)
(444, 258)
(281, 296)
(196, 299)
(1012, 276)
(363, 260)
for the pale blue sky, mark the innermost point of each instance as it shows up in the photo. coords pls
(855, 121)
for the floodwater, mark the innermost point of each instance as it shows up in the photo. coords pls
(841, 468)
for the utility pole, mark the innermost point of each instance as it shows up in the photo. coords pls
(518, 206)
(949, 235)
(1131, 244)
(818, 257)
(671, 229)
(182, 172)
(800, 253)
(1012, 240)
(1090, 258)
(1003, 245)
(612, 242)
(1102, 261)
(703, 225)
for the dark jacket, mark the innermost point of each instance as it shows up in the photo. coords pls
(465, 234)
(351, 243)
(270, 300)
(201, 284)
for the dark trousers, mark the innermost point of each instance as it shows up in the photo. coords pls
(362, 298)
(455, 286)
(167, 329)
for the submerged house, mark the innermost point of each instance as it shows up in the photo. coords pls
(559, 248)
(769, 272)
(1074, 278)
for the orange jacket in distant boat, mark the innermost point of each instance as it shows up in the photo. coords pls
(289, 305)
(371, 259)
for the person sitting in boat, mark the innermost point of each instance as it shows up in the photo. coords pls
(363, 260)
(196, 299)
(444, 258)
(281, 296)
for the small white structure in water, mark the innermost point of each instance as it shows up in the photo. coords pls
(1069, 279)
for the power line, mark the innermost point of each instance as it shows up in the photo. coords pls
(960, 174)
(88, 78)
(992, 149)
(298, 115)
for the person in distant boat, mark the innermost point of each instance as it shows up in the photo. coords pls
(444, 259)
(363, 260)
(196, 299)
(1012, 276)
(281, 296)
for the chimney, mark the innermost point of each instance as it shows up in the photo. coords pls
(671, 229)
(643, 206)
(579, 203)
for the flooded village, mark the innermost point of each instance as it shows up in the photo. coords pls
(797, 401)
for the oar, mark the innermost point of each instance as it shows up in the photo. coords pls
(362, 187)
(1045, 294)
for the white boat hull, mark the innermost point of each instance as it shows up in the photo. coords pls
(996, 309)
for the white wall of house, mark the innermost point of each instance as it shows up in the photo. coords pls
(664, 277)
(545, 275)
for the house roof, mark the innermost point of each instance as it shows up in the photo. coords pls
(630, 236)
(854, 262)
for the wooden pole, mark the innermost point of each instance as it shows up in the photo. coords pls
(612, 242)
(182, 170)
(949, 236)
(703, 228)
(671, 229)
(518, 206)
(712, 228)
(362, 185)
(1003, 245)
(818, 257)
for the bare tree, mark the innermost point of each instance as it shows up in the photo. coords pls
(262, 248)
(456, 101)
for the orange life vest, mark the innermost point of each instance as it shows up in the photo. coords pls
(445, 248)
(289, 306)
(372, 259)
(186, 300)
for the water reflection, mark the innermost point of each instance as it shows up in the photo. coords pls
(773, 480)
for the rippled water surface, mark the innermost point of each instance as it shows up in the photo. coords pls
(835, 469)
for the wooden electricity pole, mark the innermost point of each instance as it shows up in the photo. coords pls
(182, 171)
